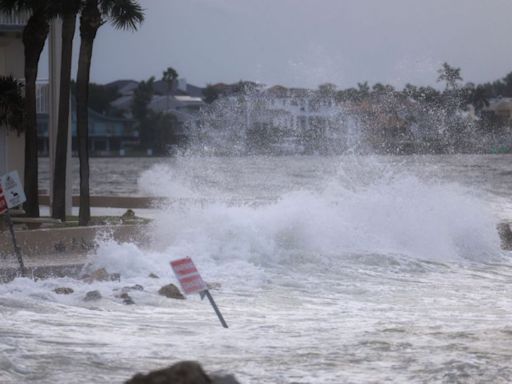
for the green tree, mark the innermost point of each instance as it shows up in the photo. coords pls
(140, 110)
(68, 10)
(100, 98)
(33, 37)
(169, 76)
(123, 14)
(210, 94)
(450, 75)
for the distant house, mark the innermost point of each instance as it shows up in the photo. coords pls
(108, 136)
(182, 100)
(502, 107)
(12, 145)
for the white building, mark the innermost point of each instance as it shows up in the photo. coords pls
(12, 145)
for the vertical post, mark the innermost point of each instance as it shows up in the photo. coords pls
(215, 308)
(16, 248)
(54, 61)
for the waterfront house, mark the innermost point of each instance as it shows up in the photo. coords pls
(108, 136)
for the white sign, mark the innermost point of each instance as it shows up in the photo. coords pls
(13, 191)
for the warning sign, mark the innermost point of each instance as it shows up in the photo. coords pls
(188, 276)
(3, 203)
(13, 190)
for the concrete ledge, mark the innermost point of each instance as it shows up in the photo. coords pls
(114, 201)
(66, 241)
(59, 252)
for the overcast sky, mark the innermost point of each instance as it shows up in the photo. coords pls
(309, 42)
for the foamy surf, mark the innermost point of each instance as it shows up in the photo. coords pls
(329, 271)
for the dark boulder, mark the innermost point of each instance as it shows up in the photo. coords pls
(136, 287)
(184, 372)
(92, 296)
(171, 291)
(63, 291)
(127, 299)
(505, 236)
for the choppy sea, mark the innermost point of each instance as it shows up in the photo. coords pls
(331, 270)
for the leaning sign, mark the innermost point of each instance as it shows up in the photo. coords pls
(192, 282)
(3, 203)
(12, 195)
(13, 190)
(188, 276)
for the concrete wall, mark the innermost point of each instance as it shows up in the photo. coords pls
(11, 57)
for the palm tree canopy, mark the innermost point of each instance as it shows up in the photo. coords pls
(123, 14)
(33, 6)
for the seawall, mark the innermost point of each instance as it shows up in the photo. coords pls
(60, 251)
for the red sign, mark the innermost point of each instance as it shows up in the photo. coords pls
(188, 276)
(3, 202)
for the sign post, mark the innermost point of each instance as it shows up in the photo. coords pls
(13, 196)
(192, 282)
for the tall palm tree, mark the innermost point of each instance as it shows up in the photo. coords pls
(169, 76)
(34, 36)
(68, 10)
(123, 14)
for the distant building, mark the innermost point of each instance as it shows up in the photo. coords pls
(502, 107)
(108, 136)
(182, 100)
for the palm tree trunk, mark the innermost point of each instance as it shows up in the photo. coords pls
(34, 37)
(61, 150)
(90, 21)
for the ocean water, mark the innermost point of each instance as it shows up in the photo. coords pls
(331, 270)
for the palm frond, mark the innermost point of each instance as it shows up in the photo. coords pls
(123, 14)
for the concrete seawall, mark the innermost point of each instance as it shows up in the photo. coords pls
(60, 251)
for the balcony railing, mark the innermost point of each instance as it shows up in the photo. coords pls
(14, 20)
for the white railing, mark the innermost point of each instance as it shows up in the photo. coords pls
(14, 19)
(42, 97)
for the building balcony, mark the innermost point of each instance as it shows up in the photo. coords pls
(13, 22)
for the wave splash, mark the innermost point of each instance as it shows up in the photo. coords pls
(378, 212)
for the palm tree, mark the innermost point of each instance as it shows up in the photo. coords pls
(450, 75)
(169, 76)
(34, 36)
(68, 10)
(11, 103)
(123, 14)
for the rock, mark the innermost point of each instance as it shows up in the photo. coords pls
(128, 215)
(505, 236)
(136, 287)
(153, 276)
(92, 296)
(185, 372)
(127, 299)
(171, 291)
(63, 291)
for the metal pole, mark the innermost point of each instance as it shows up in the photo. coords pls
(16, 248)
(215, 308)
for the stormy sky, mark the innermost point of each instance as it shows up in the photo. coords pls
(309, 42)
